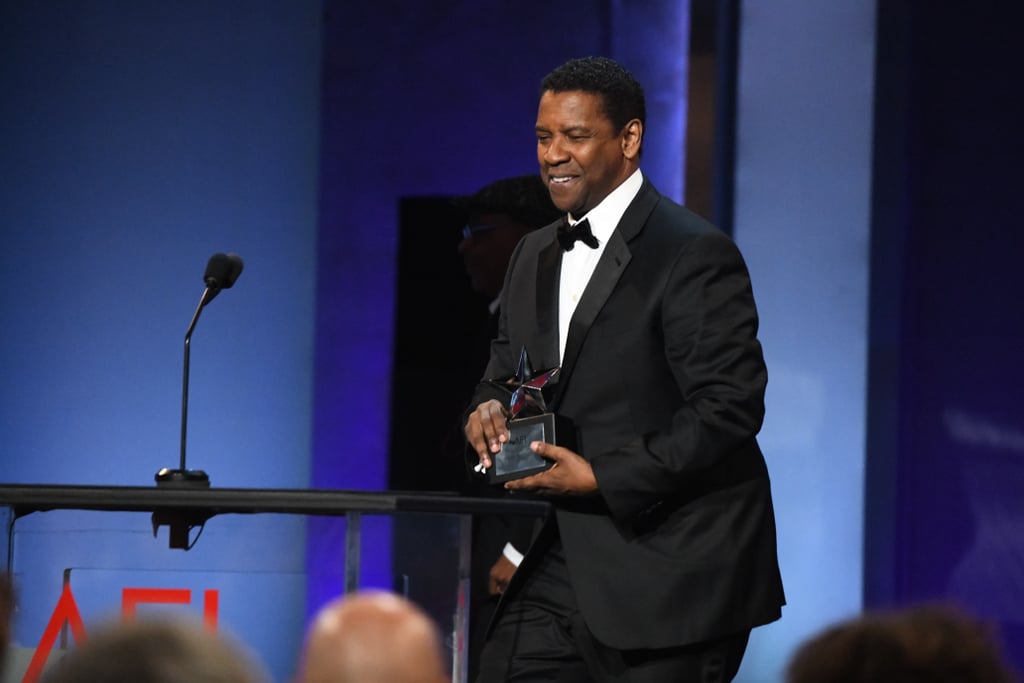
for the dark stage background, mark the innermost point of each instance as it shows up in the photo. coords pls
(945, 494)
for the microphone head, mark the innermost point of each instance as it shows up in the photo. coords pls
(218, 269)
(221, 272)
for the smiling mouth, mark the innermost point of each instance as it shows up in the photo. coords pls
(560, 179)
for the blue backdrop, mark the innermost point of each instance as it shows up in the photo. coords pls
(138, 139)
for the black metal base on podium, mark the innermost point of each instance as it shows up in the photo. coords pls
(190, 479)
(180, 523)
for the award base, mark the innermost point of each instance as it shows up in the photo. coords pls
(515, 460)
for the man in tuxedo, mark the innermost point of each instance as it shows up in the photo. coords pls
(661, 553)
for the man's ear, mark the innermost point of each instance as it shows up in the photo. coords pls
(632, 136)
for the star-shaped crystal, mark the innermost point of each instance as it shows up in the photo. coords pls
(526, 387)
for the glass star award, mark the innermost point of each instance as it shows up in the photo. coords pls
(528, 421)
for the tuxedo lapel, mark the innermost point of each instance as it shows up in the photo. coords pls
(548, 263)
(613, 262)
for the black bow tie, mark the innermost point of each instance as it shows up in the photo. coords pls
(568, 234)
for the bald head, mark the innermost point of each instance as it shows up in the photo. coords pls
(372, 638)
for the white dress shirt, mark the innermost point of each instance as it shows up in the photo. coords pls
(579, 263)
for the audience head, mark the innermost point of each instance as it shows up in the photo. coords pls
(927, 644)
(497, 217)
(155, 651)
(372, 637)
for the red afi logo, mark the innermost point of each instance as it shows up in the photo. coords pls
(66, 612)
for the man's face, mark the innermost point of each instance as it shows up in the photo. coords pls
(582, 157)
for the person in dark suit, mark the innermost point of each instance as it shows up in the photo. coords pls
(661, 553)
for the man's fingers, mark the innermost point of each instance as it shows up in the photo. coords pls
(534, 482)
(475, 436)
(500, 575)
(493, 421)
(570, 474)
(486, 431)
(548, 450)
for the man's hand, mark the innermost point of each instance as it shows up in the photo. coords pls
(501, 574)
(486, 430)
(570, 475)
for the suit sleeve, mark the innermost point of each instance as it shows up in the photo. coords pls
(709, 324)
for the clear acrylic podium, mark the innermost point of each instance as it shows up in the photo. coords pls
(99, 541)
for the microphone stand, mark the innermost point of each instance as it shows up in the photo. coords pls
(184, 477)
(180, 523)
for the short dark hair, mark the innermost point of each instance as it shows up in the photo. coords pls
(621, 94)
(922, 644)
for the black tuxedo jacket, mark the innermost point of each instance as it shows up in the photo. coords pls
(664, 379)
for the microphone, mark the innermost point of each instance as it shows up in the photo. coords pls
(222, 270)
